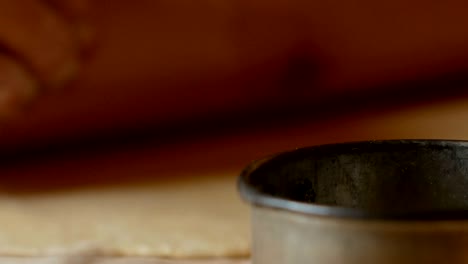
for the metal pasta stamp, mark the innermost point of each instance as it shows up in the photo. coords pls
(390, 201)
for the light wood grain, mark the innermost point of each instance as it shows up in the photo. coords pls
(94, 260)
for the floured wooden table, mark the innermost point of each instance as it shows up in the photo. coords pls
(107, 220)
(133, 260)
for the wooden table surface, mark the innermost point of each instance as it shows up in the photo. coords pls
(90, 260)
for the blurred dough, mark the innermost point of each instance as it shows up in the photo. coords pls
(195, 217)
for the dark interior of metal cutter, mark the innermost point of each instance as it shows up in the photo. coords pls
(381, 176)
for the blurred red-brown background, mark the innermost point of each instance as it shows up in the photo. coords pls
(210, 85)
